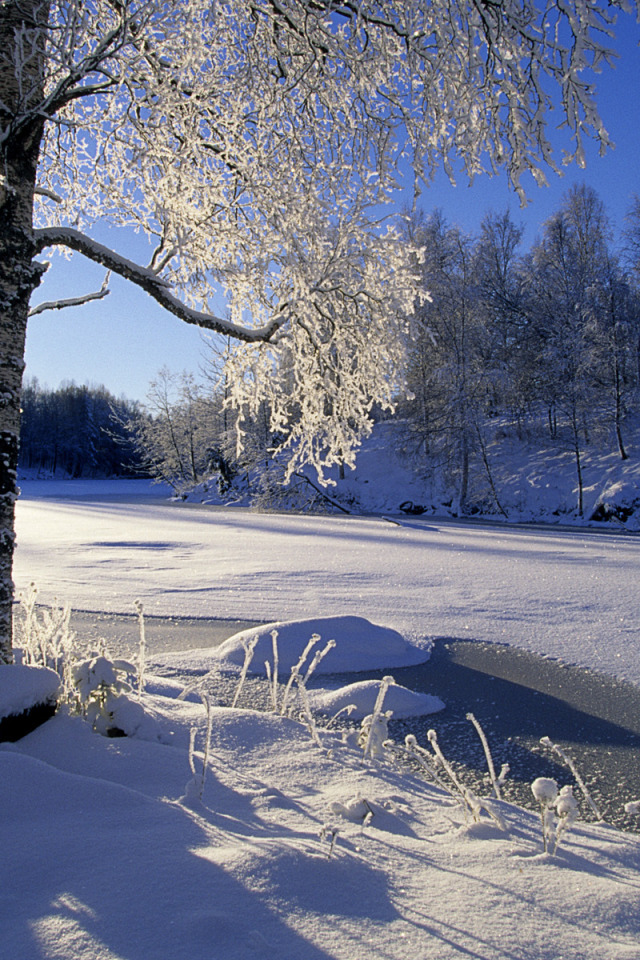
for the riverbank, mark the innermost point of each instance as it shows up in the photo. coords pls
(517, 696)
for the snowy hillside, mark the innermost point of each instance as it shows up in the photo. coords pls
(525, 478)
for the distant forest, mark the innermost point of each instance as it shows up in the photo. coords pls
(76, 431)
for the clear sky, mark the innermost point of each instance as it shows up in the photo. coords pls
(125, 339)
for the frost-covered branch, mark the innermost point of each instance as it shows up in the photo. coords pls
(72, 301)
(148, 281)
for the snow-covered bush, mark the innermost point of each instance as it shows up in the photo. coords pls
(101, 686)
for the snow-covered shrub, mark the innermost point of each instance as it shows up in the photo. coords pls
(100, 685)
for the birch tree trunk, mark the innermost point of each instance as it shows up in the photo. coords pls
(20, 92)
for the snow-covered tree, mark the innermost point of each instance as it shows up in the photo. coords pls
(567, 274)
(256, 142)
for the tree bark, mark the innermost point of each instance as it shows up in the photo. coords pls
(22, 128)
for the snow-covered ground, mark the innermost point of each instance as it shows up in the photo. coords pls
(299, 849)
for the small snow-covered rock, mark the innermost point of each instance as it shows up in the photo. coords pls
(23, 687)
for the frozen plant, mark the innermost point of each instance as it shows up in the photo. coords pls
(295, 672)
(427, 763)
(348, 710)
(497, 782)
(249, 647)
(330, 833)
(318, 656)
(374, 729)
(195, 787)
(545, 791)
(306, 715)
(374, 733)
(296, 677)
(567, 810)
(471, 802)
(632, 808)
(272, 675)
(546, 742)
(47, 639)
(142, 647)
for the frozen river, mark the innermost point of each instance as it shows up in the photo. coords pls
(572, 595)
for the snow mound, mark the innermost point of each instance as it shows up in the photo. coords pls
(359, 646)
(400, 700)
(23, 687)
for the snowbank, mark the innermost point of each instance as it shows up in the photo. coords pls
(359, 646)
(362, 696)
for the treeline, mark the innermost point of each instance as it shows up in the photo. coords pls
(548, 337)
(76, 431)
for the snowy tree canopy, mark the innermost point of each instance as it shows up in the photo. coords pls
(257, 142)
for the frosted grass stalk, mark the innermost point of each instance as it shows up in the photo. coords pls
(318, 657)
(350, 707)
(385, 683)
(207, 743)
(142, 647)
(295, 671)
(249, 647)
(306, 712)
(545, 790)
(274, 678)
(556, 748)
(487, 753)
(426, 763)
(192, 746)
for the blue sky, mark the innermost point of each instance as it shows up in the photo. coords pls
(125, 339)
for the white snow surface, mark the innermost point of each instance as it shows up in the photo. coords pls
(294, 850)
(24, 687)
(104, 859)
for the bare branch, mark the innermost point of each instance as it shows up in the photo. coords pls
(43, 192)
(156, 287)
